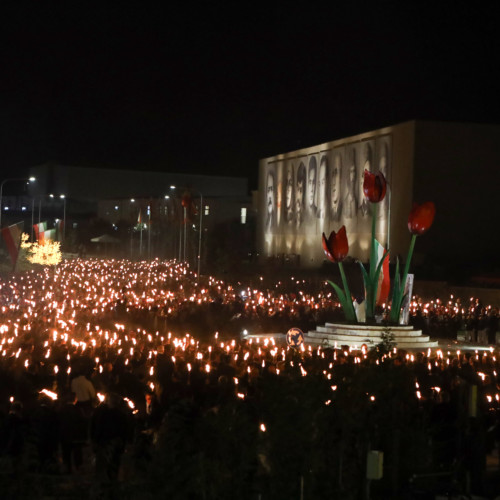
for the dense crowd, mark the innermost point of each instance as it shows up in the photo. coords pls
(98, 364)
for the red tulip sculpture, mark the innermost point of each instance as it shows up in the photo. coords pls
(419, 221)
(336, 248)
(374, 188)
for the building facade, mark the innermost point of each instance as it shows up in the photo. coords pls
(93, 201)
(318, 189)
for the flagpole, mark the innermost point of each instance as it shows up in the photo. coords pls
(180, 239)
(140, 242)
(185, 231)
(149, 232)
(140, 232)
(32, 216)
(200, 232)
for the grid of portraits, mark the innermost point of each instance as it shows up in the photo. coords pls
(321, 191)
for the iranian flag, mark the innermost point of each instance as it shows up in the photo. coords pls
(12, 238)
(40, 228)
(47, 235)
(384, 281)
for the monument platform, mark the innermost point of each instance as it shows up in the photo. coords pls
(337, 334)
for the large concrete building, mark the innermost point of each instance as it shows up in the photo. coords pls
(318, 189)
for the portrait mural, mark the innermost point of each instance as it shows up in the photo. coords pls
(270, 200)
(323, 185)
(300, 193)
(288, 194)
(307, 195)
(350, 191)
(335, 184)
(312, 179)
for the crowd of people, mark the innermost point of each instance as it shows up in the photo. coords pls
(104, 364)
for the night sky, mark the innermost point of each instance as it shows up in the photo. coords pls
(212, 89)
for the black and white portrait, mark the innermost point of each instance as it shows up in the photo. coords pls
(300, 191)
(270, 200)
(323, 178)
(335, 187)
(350, 200)
(288, 187)
(312, 177)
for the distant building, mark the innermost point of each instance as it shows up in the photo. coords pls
(318, 189)
(82, 194)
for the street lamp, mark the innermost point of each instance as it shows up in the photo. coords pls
(62, 197)
(28, 179)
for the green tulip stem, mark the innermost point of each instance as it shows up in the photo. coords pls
(373, 257)
(371, 289)
(407, 263)
(346, 288)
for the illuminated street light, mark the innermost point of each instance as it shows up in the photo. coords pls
(63, 197)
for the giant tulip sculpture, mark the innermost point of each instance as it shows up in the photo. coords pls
(419, 221)
(336, 248)
(374, 188)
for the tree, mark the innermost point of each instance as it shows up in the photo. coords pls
(45, 253)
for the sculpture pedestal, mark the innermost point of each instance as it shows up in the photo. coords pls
(339, 334)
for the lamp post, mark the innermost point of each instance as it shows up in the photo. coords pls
(132, 200)
(199, 236)
(180, 233)
(200, 229)
(62, 197)
(21, 179)
(167, 225)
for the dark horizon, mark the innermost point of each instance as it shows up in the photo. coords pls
(214, 90)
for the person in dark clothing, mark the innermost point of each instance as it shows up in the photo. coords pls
(72, 434)
(14, 432)
(45, 426)
(108, 433)
(492, 326)
(153, 415)
(149, 422)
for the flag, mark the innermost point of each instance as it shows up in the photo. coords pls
(40, 228)
(189, 207)
(12, 238)
(47, 235)
(384, 281)
(139, 219)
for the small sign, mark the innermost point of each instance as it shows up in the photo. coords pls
(374, 464)
(404, 316)
(294, 337)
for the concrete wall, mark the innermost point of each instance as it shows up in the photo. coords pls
(457, 166)
(305, 239)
